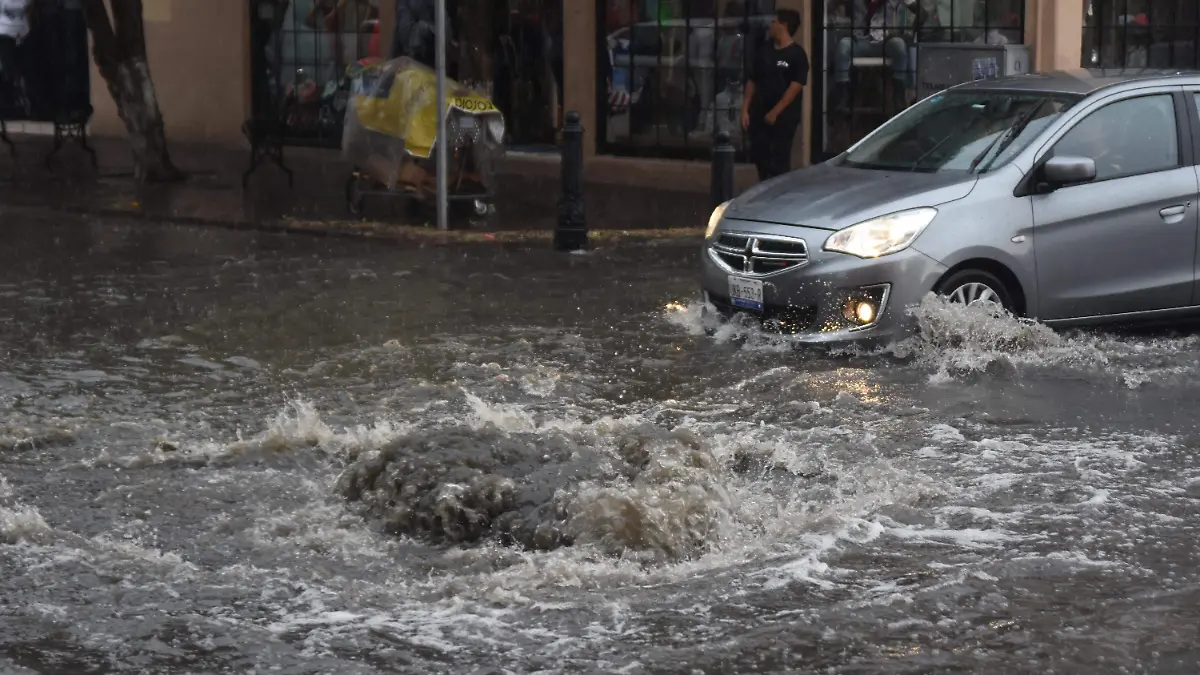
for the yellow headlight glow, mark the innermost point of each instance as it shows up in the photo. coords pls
(881, 236)
(715, 219)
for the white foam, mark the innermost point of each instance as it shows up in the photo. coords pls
(944, 433)
(23, 524)
(688, 316)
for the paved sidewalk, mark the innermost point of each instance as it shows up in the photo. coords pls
(213, 195)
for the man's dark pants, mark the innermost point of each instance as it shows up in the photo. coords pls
(771, 147)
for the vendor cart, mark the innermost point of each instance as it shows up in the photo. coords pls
(391, 129)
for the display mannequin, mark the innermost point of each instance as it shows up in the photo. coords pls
(884, 28)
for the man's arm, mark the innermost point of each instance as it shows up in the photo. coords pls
(790, 95)
(747, 98)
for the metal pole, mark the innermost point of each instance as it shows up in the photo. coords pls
(571, 233)
(441, 142)
(722, 169)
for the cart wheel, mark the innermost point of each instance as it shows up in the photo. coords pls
(461, 215)
(354, 195)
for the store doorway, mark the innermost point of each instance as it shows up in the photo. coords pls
(526, 70)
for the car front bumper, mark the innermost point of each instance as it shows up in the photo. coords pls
(810, 299)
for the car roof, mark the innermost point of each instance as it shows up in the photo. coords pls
(1082, 81)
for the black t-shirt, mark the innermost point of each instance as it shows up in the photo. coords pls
(774, 70)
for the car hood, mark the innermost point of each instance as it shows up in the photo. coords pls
(832, 197)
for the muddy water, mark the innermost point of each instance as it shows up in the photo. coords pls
(232, 453)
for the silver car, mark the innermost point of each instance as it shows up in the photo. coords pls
(1067, 197)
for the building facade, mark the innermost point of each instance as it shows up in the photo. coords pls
(653, 79)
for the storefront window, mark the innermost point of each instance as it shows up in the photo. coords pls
(1141, 33)
(671, 73)
(305, 52)
(881, 56)
(525, 49)
(510, 50)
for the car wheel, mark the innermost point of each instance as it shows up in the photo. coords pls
(969, 287)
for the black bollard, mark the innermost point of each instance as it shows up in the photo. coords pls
(571, 233)
(722, 169)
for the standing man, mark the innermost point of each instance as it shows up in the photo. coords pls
(771, 108)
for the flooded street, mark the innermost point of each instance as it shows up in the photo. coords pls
(224, 452)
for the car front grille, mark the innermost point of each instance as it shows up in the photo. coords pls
(790, 319)
(757, 255)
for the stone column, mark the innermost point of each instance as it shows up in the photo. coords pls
(1054, 28)
(387, 27)
(579, 67)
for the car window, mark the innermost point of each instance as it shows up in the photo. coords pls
(1126, 138)
(971, 130)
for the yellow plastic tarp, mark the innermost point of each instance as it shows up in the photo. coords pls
(408, 111)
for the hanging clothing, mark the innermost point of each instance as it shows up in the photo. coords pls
(416, 31)
(890, 16)
(14, 19)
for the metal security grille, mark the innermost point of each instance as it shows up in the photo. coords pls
(51, 68)
(1141, 34)
(509, 50)
(869, 57)
(301, 58)
(672, 72)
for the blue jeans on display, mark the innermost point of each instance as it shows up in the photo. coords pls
(848, 48)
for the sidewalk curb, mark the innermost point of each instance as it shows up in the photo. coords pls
(374, 230)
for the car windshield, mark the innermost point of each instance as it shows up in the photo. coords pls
(960, 131)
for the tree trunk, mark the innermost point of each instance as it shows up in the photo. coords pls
(119, 48)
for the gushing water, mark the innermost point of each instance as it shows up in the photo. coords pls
(364, 462)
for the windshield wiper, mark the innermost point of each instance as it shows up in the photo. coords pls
(917, 164)
(1010, 136)
(954, 134)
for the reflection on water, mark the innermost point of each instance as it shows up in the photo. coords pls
(227, 452)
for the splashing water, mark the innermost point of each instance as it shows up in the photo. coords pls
(19, 523)
(954, 341)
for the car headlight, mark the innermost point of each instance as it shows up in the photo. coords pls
(715, 219)
(881, 236)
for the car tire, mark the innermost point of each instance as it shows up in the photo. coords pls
(973, 285)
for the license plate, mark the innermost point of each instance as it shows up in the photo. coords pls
(746, 293)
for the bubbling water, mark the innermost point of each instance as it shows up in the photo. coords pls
(642, 489)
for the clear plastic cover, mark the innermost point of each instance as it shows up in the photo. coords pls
(390, 128)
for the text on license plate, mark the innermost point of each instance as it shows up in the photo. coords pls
(746, 293)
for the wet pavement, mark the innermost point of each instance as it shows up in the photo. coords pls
(227, 452)
(527, 192)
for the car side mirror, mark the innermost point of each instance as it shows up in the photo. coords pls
(1060, 171)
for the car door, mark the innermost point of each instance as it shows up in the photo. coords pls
(1192, 103)
(1125, 241)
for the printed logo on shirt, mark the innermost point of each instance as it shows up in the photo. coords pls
(783, 64)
